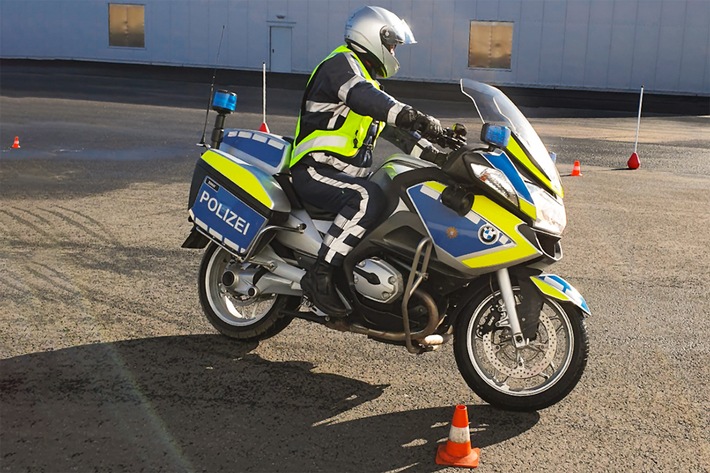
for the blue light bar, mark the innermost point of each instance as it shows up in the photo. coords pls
(495, 135)
(224, 101)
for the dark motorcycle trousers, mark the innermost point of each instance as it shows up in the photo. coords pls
(357, 202)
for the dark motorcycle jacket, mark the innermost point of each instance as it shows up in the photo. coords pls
(343, 111)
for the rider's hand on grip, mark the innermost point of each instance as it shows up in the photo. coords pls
(459, 130)
(428, 126)
(451, 138)
(414, 120)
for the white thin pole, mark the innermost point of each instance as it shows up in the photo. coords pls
(638, 122)
(263, 86)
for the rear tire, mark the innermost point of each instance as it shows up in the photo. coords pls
(235, 316)
(552, 364)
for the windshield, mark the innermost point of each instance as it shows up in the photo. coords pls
(494, 106)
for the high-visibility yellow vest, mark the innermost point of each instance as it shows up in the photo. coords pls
(346, 140)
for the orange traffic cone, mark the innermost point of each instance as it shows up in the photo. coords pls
(264, 127)
(457, 450)
(16, 144)
(634, 161)
(576, 169)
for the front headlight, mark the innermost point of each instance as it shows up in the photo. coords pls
(497, 181)
(551, 216)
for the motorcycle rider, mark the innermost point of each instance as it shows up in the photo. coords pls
(343, 111)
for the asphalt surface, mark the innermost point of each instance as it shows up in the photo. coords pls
(107, 364)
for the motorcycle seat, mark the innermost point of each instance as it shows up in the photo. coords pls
(319, 214)
(284, 180)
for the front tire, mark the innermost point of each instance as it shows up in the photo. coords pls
(238, 316)
(532, 378)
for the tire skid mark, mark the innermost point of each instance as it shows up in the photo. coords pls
(35, 281)
(47, 284)
(30, 282)
(58, 281)
(114, 303)
(35, 215)
(73, 223)
(11, 279)
(9, 236)
(30, 225)
(85, 217)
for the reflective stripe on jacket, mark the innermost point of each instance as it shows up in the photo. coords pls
(340, 104)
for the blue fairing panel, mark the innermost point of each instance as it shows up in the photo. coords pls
(504, 164)
(258, 147)
(458, 236)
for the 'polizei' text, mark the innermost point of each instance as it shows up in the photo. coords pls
(224, 213)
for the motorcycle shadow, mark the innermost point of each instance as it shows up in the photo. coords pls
(204, 403)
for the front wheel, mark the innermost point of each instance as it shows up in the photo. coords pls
(532, 378)
(235, 315)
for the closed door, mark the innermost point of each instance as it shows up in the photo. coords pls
(280, 49)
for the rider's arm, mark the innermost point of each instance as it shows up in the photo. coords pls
(413, 144)
(345, 78)
(340, 80)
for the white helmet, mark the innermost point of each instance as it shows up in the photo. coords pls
(377, 31)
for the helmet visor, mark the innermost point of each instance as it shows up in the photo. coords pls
(396, 33)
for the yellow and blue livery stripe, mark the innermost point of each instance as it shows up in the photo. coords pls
(520, 250)
(554, 286)
(503, 163)
(517, 152)
(240, 174)
(485, 237)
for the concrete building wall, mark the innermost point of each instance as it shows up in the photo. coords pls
(577, 44)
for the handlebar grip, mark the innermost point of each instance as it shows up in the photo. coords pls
(459, 129)
(451, 139)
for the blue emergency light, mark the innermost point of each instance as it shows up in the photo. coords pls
(224, 101)
(495, 135)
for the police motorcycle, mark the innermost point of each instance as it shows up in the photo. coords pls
(460, 255)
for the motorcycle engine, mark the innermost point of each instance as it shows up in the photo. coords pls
(377, 280)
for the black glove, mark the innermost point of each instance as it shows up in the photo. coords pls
(413, 120)
(428, 126)
(459, 130)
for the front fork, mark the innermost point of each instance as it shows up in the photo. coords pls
(506, 291)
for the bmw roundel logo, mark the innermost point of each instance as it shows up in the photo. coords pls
(488, 234)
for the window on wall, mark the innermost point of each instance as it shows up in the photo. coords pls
(490, 44)
(126, 25)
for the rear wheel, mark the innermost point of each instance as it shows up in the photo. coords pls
(237, 315)
(527, 379)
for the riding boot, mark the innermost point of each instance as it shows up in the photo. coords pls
(318, 286)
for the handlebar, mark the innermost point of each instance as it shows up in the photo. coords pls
(453, 138)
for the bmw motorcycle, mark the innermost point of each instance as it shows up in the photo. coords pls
(459, 257)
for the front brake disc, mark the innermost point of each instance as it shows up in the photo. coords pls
(505, 361)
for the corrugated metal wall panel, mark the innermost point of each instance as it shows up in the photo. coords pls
(695, 73)
(575, 50)
(552, 42)
(528, 42)
(599, 36)
(645, 46)
(584, 44)
(622, 36)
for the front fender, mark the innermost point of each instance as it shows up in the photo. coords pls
(554, 286)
